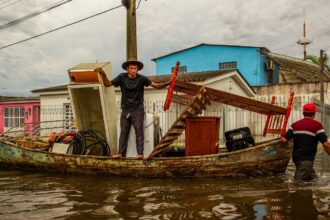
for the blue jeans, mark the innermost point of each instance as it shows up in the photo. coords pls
(128, 118)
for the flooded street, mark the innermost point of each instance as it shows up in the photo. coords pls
(40, 195)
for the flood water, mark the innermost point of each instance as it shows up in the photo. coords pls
(40, 195)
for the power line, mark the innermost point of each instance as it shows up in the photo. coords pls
(59, 28)
(4, 2)
(10, 4)
(138, 5)
(19, 20)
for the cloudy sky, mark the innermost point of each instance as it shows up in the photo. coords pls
(164, 26)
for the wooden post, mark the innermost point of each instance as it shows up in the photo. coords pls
(131, 45)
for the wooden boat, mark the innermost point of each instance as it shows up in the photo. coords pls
(267, 158)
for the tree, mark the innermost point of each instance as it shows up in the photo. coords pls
(317, 60)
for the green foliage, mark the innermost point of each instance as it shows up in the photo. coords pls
(317, 60)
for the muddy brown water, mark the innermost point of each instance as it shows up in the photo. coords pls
(40, 195)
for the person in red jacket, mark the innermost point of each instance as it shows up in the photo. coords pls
(306, 133)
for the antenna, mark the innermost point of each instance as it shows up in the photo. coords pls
(304, 41)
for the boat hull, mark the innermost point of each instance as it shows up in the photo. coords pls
(265, 159)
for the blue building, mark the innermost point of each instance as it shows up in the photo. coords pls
(250, 61)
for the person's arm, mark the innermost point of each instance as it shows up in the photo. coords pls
(105, 79)
(288, 135)
(326, 146)
(322, 137)
(284, 139)
(160, 85)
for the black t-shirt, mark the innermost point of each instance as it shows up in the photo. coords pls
(305, 133)
(132, 90)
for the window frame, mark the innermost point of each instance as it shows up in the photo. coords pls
(68, 116)
(182, 69)
(228, 65)
(13, 116)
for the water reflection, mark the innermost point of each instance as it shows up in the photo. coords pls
(303, 198)
(27, 195)
(21, 198)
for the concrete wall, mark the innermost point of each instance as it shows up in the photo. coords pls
(311, 89)
(304, 93)
(52, 106)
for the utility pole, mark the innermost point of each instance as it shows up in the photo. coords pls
(322, 85)
(131, 45)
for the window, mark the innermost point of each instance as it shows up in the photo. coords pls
(270, 76)
(68, 116)
(182, 69)
(228, 65)
(14, 117)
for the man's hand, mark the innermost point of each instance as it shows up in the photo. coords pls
(326, 146)
(284, 139)
(105, 79)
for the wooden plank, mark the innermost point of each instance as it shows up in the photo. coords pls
(231, 99)
(274, 131)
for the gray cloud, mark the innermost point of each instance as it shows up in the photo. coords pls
(164, 26)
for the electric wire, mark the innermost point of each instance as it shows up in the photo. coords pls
(4, 2)
(10, 4)
(85, 142)
(61, 27)
(77, 146)
(26, 17)
(138, 5)
(95, 139)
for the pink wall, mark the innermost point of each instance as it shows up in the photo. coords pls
(31, 112)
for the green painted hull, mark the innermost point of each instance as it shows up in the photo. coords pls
(268, 158)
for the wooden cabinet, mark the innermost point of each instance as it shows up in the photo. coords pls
(202, 135)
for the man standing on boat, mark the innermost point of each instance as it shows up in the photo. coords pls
(306, 134)
(132, 88)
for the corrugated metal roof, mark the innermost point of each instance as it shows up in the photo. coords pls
(53, 88)
(202, 44)
(294, 70)
(19, 99)
(190, 77)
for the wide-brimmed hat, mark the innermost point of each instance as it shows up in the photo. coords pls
(132, 61)
(309, 108)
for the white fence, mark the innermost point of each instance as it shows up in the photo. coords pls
(230, 117)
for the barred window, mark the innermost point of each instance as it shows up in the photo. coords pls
(68, 116)
(182, 69)
(228, 65)
(14, 116)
